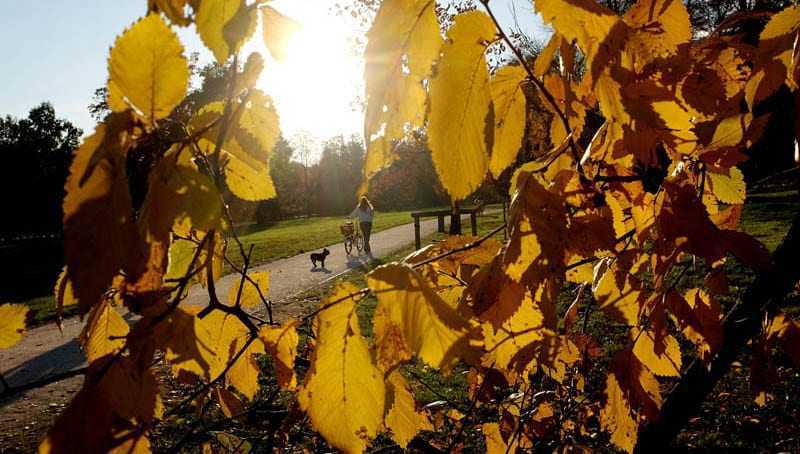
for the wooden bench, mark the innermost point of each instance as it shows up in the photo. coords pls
(455, 222)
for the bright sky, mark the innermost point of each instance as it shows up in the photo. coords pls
(56, 50)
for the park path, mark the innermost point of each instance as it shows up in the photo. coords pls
(45, 350)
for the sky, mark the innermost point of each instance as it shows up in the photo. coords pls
(56, 51)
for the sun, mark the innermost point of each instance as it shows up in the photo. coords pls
(317, 87)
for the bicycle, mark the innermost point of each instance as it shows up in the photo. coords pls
(352, 237)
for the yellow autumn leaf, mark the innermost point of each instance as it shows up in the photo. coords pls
(179, 257)
(63, 294)
(460, 104)
(523, 329)
(495, 443)
(403, 419)
(214, 16)
(616, 417)
(201, 346)
(586, 22)
(730, 131)
(175, 10)
(545, 58)
(618, 294)
(535, 256)
(259, 120)
(777, 37)
(698, 315)
(104, 333)
(278, 31)
(344, 393)
(247, 79)
(659, 28)
(243, 375)
(148, 69)
(12, 324)
(402, 45)
(658, 352)
(106, 415)
(250, 293)
(281, 342)
(729, 188)
(509, 116)
(429, 327)
(179, 199)
(115, 99)
(100, 236)
(248, 177)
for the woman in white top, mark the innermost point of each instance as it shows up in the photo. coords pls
(364, 212)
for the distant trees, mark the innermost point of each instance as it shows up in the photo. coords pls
(36, 152)
(329, 185)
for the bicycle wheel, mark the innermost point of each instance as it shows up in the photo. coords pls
(348, 245)
(359, 242)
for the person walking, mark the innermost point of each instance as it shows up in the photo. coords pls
(364, 213)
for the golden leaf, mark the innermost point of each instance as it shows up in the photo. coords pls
(148, 69)
(658, 352)
(403, 418)
(250, 292)
(495, 443)
(525, 327)
(104, 333)
(659, 28)
(243, 375)
(618, 294)
(278, 31)
(206, 346)
(536, 253)
(509, 117)
(100, 236)
(175, 10)
(110, 413)
(402, 45)
(616, 417)
(246, 176)
(777, 38)
(460, 106)
(430, 328)
(344, 393)
(729, 188)
(259, 120)
(12, 324)
(698, 315)
(211, 19)
(281, 343)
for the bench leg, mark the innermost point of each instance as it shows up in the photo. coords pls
(417, 241)
(473, 223)
(440, 227)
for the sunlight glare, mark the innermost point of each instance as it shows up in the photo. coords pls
(317, 87)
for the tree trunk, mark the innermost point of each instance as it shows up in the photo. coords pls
(741, 324)
(455, 219)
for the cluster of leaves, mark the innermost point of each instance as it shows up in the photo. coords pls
(656, 188)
